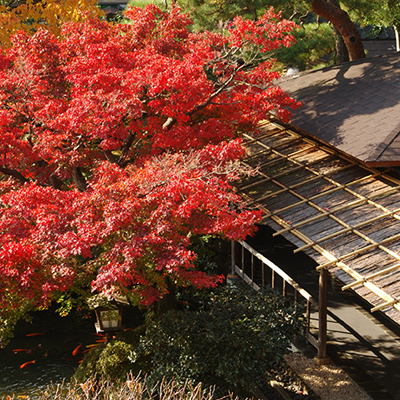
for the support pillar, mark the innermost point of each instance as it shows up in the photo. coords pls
(322, 358)
(232, 277)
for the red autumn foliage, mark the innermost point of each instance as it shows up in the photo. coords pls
(119, 142)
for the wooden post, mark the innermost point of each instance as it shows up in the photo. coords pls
(322, 358)
(109, 336)
(232, 278)
(233, 257)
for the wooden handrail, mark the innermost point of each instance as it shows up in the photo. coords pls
(275, 270)
(279, 271)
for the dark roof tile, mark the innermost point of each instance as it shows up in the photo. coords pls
(353, 106)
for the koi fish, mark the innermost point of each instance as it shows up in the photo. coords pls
(91, 345)
(34, 334)
(101, 340)
(15, 351)
(27, 363)
(76, 350)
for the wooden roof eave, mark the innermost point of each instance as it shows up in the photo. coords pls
(387, 300)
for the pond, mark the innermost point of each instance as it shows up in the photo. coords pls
(49, 350)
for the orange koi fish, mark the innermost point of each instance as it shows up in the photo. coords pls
(15, 351)
(35, 334)
(27, 363)
(76, 350)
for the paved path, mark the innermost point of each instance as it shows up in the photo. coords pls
(367, 349)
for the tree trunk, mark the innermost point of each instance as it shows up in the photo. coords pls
(396, 33)
(342, 22)
(342, 55)
(167, 301)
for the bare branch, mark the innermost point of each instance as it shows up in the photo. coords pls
(110, 157)
(79, 179)
(127, 145)
(14, 173)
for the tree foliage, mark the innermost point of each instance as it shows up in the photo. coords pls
(212, 14)
(231, 343)
(313, 41)
(384, 13)
(120, 142)
(47, 14)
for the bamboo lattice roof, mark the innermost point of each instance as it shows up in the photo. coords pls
(342, 213)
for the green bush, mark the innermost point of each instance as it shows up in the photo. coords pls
(312, 43)
(114, 360)
(111, 361)
(88, 366)
(231, 343)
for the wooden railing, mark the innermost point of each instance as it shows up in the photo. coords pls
(253, 268)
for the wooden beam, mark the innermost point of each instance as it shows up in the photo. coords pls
(352, 229)
(336, 209)
(369, 277)
(322, 313)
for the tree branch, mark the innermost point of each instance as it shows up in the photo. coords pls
(55, 182)
(14, 173)
(127, 145)
(171, 121)
(341, 20)
(110, 157)
(79, 179)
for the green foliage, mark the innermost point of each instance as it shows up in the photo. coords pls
(212, 15)
(238, 336)
(144, 3)
(312, 43)
(88, 366)
(114, 360)
(230, 342)
(110, 362)
(206, 256)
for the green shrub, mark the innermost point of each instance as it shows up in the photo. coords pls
(88, 366)
(111, 361)
(231, 343)
(114, 360)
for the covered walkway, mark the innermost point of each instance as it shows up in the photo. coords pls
(345, 216)
(366, 346)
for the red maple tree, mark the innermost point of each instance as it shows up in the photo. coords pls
(120, 142)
